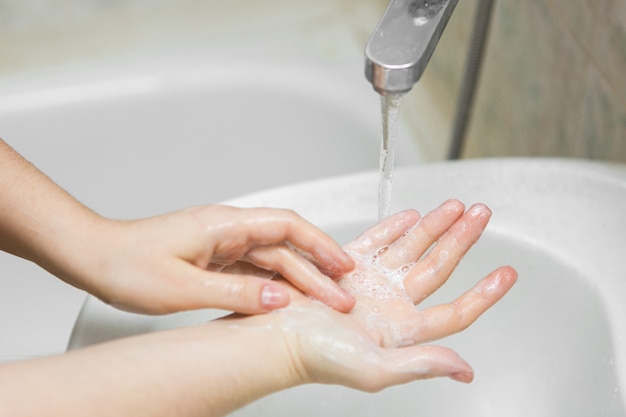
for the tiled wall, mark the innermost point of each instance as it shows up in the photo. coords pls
(43, 33)
(40, 33)
(20, 14)
(554, 81)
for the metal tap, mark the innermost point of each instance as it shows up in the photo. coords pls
(402, 43)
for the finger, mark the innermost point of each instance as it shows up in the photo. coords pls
(302, 274)
(444, 320)
(241, 293)
(243, 268)
(416, 362)
(266, 226)
(190, 288)
(383, 233)
(430, 228)
(433, 271)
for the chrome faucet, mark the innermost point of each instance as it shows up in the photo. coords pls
(402, 43)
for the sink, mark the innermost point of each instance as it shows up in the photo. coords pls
(555, 345)
(140, 136)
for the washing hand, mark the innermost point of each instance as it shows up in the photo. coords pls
(214, 368)
(380, 342)
(174, 262)
(165, 263)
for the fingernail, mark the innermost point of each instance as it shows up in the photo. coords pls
(347, 261)
(453, 204)
(343, 264)
(463, 376)
(274, 297)
(349, 298)
(480, 210)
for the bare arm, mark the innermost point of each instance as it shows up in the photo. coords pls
(165, 263)
(213, 369)
(203, 371)
(40, 221)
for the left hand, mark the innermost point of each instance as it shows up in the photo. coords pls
(217, 367)
(174, 262)
(380, 342)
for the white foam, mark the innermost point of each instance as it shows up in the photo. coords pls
(373, 279)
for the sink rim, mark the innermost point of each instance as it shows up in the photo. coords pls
(328, 202)
(565, 177)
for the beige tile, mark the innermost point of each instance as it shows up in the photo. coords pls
(444, 70)
(603, 122)
(609, 51)
(553, 84)
(532, 87)
(432, 103)
(578, 17)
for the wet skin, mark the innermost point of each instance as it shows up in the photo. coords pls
(399, 263)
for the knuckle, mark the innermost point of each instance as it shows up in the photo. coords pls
(290, 217)
(243, 293)
(458, 313)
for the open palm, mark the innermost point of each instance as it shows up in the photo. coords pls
(399, 263)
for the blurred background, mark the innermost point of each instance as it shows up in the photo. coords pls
(553, 83)
(138, 107)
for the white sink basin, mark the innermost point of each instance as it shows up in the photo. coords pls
(555, 346)
(148, 135)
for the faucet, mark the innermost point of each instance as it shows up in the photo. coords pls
(402, 43)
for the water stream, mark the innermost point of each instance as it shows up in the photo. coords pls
(390, 108)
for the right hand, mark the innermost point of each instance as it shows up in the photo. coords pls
(380, 342)
(173, 262)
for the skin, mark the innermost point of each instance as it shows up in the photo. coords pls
(171, 262)
(213, 369)
(381, 341)
(365, 332)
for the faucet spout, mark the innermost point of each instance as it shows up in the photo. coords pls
(402, 43)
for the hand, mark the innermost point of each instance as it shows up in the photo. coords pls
(172, 262)
(379, 343)
(189, 370)
(167, 263)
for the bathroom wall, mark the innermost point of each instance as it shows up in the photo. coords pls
(155, 83)
(37, 34)
(554, 82)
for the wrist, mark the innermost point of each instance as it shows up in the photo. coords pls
(251, 358)
(71, 246)
(272, 333)
(210, 369)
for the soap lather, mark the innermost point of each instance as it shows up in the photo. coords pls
(402, 43)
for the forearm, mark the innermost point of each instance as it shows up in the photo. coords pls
(39, 220)
(208, 370)
(159, 265)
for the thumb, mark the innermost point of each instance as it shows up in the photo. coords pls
(409, 363)
(192, 288)
(246, 294)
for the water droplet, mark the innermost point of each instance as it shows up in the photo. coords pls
(390, 110)
(420, 20)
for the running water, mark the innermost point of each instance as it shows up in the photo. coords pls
(390, 106)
